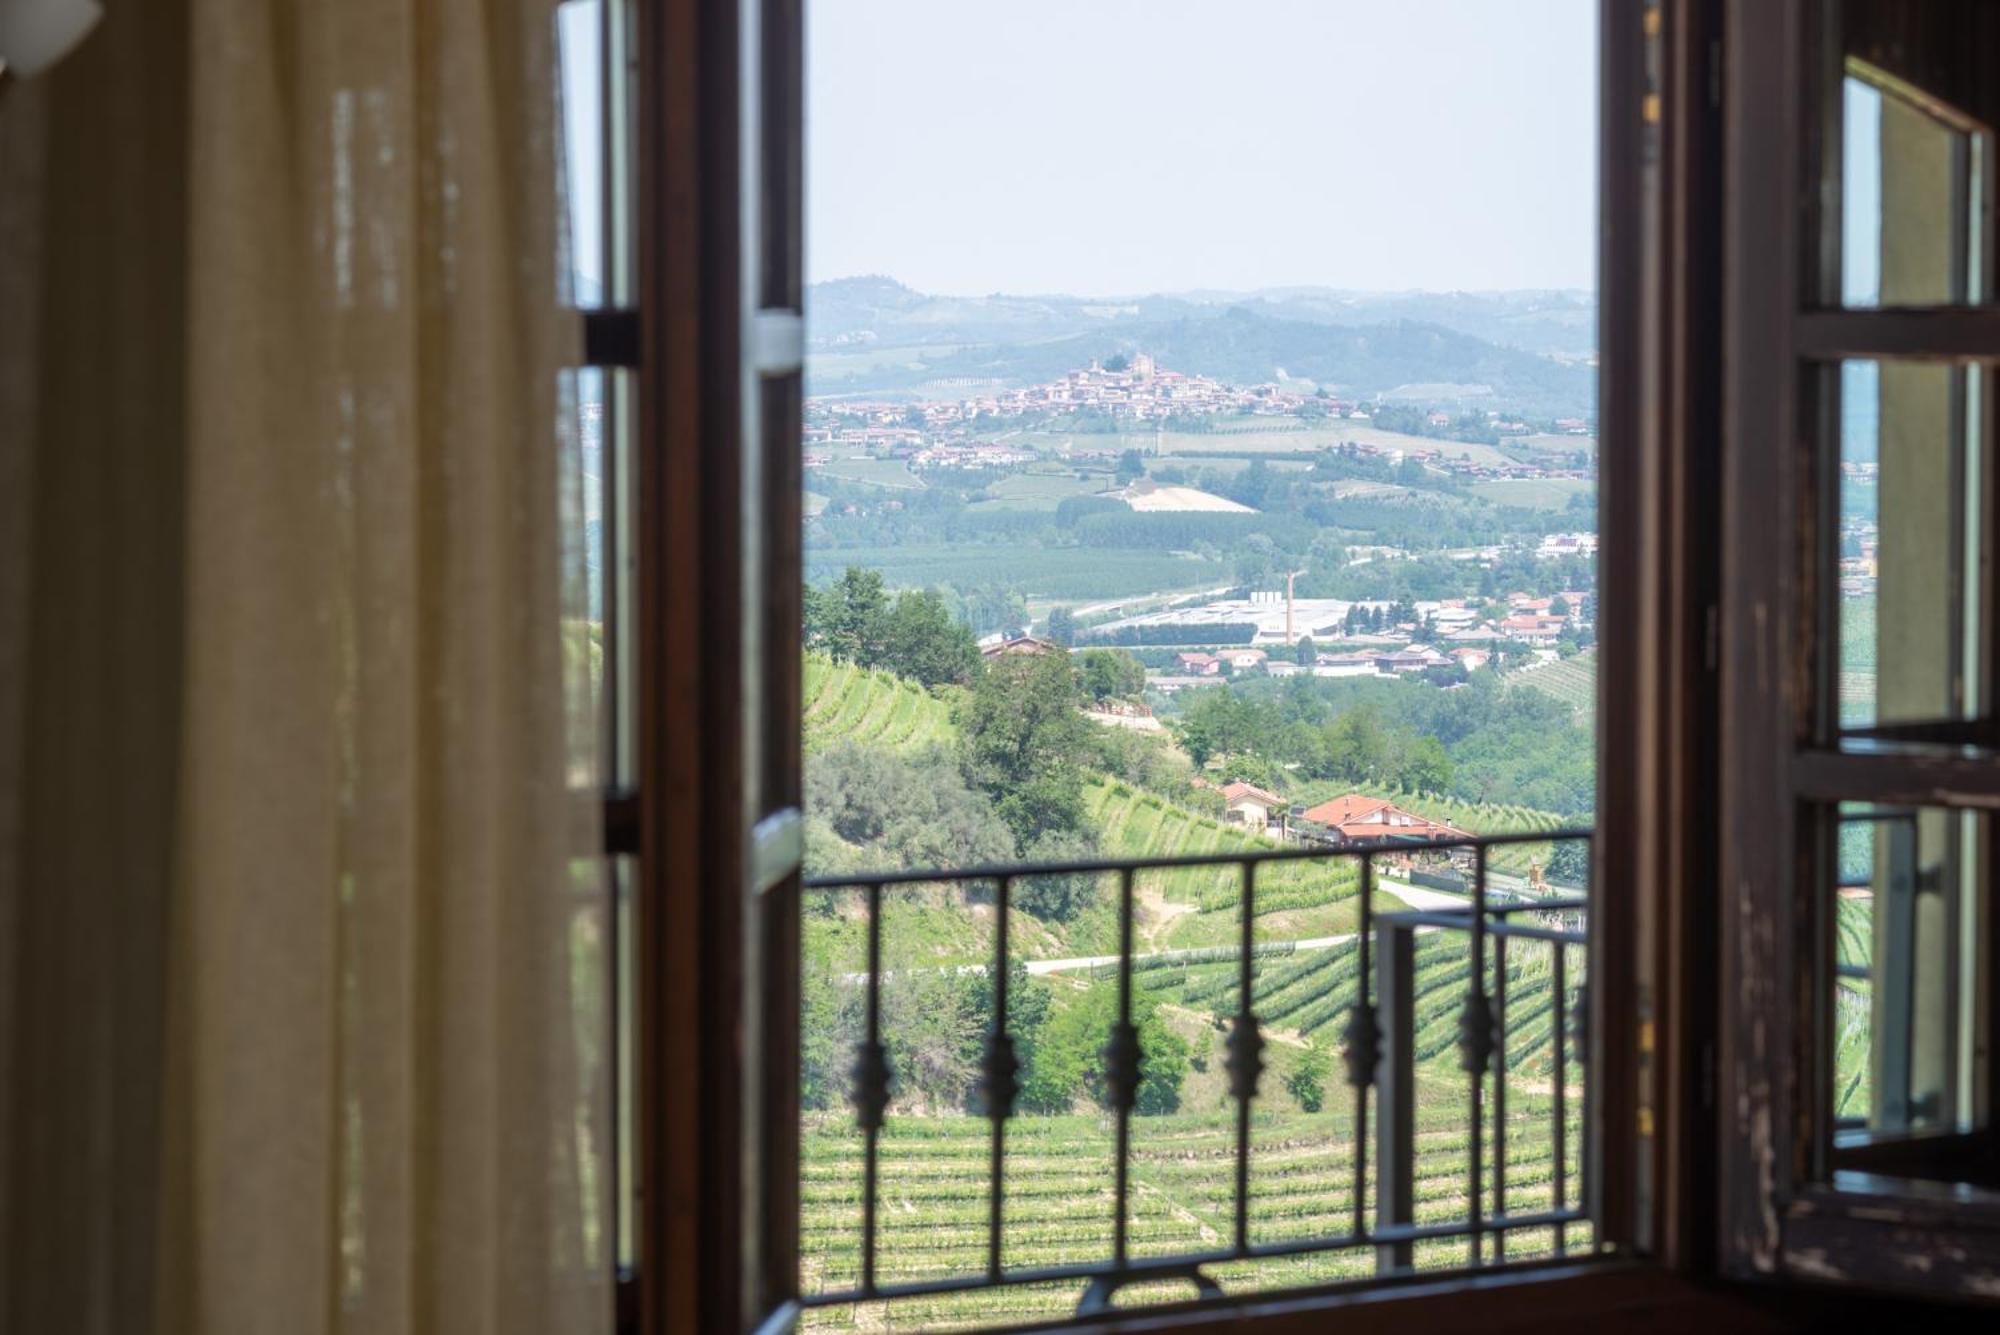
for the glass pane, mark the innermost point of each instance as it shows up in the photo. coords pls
(1910, 203)
(595, 38)
(1910, 538)
(1165, 501)
(1913, 163)
(580, 37)
(1906, 972)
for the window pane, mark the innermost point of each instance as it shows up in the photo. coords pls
(1187, 475)
(595, 38)
(1910, 205)
(1910, 538)
(1907, 966)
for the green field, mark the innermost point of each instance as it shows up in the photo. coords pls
(847, 703)
(1571, 680)
(932, 1198)
(932, 1193)
(1858, 654)
(1038, 491)
(1065, 574)
(1259, 435)
(1189, 908)
(1198, 907)
(1535, 493)
(893, 474)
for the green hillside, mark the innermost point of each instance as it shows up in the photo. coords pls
(933, 1197)
(1572, 681)
(848, 703)
(875, 708)
(932, 1173)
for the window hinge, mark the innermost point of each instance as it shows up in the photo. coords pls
(1708, 1077)
(1711, 650)
(1715, 73)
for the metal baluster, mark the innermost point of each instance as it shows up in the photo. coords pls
(871, 1087)
(1579, 1017)
(999, 1083)
(1500, 1091)
(1396, 1095)
(1475, 1047)
(1364, 1046)
(1246, 1057)
(1557, 1000)
(1121, 1064)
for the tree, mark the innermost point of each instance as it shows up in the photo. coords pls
(851, 614)
(992, 607)
(1111, 674)
(1131, 466)
(902, 810)
(1305, 653)
(1558, 606)
(1427, 767)
(921, 640)
(1022, 741)
(1062, 626)
(1307, 1082)
(1569, 864)
(1357, 747)
(1220, 722)
(1069, 1056)
(1117, 361)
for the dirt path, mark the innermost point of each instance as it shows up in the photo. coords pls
(1155, 915)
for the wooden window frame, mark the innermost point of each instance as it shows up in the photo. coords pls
(718, 526)
(1781, 1217)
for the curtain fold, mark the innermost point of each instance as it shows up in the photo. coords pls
(301, 575)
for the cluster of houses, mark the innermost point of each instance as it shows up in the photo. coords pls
(1354, 820)
(1444, 633)
(1860, 560)
(977, 455)
(942, 433)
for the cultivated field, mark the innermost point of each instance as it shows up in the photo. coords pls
(1258, 435)
(932, 1194)
(1570, 680)
(932, 1197)
(1535, 493)
(1062, 573)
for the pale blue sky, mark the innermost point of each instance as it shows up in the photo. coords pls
(1130, 146)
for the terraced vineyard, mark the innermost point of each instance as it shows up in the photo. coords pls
(848, 703)
(1853, 938)
(1492, 818)
(1058, 1187)
(933, 1198)
(1308, 993)
(1571, 680)
(1134, 823)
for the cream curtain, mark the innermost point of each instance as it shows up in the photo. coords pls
(302, 1017)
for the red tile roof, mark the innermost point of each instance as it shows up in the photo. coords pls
(1232, 791)
(1359, 816)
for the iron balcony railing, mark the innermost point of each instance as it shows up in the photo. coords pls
(1379, 1055)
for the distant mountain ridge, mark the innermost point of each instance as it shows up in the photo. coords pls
(1520, 351)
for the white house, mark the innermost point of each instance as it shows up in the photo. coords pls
(1254, 807)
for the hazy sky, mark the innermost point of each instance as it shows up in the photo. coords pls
(1130, 146)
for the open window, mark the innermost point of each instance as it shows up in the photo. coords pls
(1567, 987)
(1858, 716)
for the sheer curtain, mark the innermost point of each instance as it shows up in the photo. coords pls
(302, 971)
